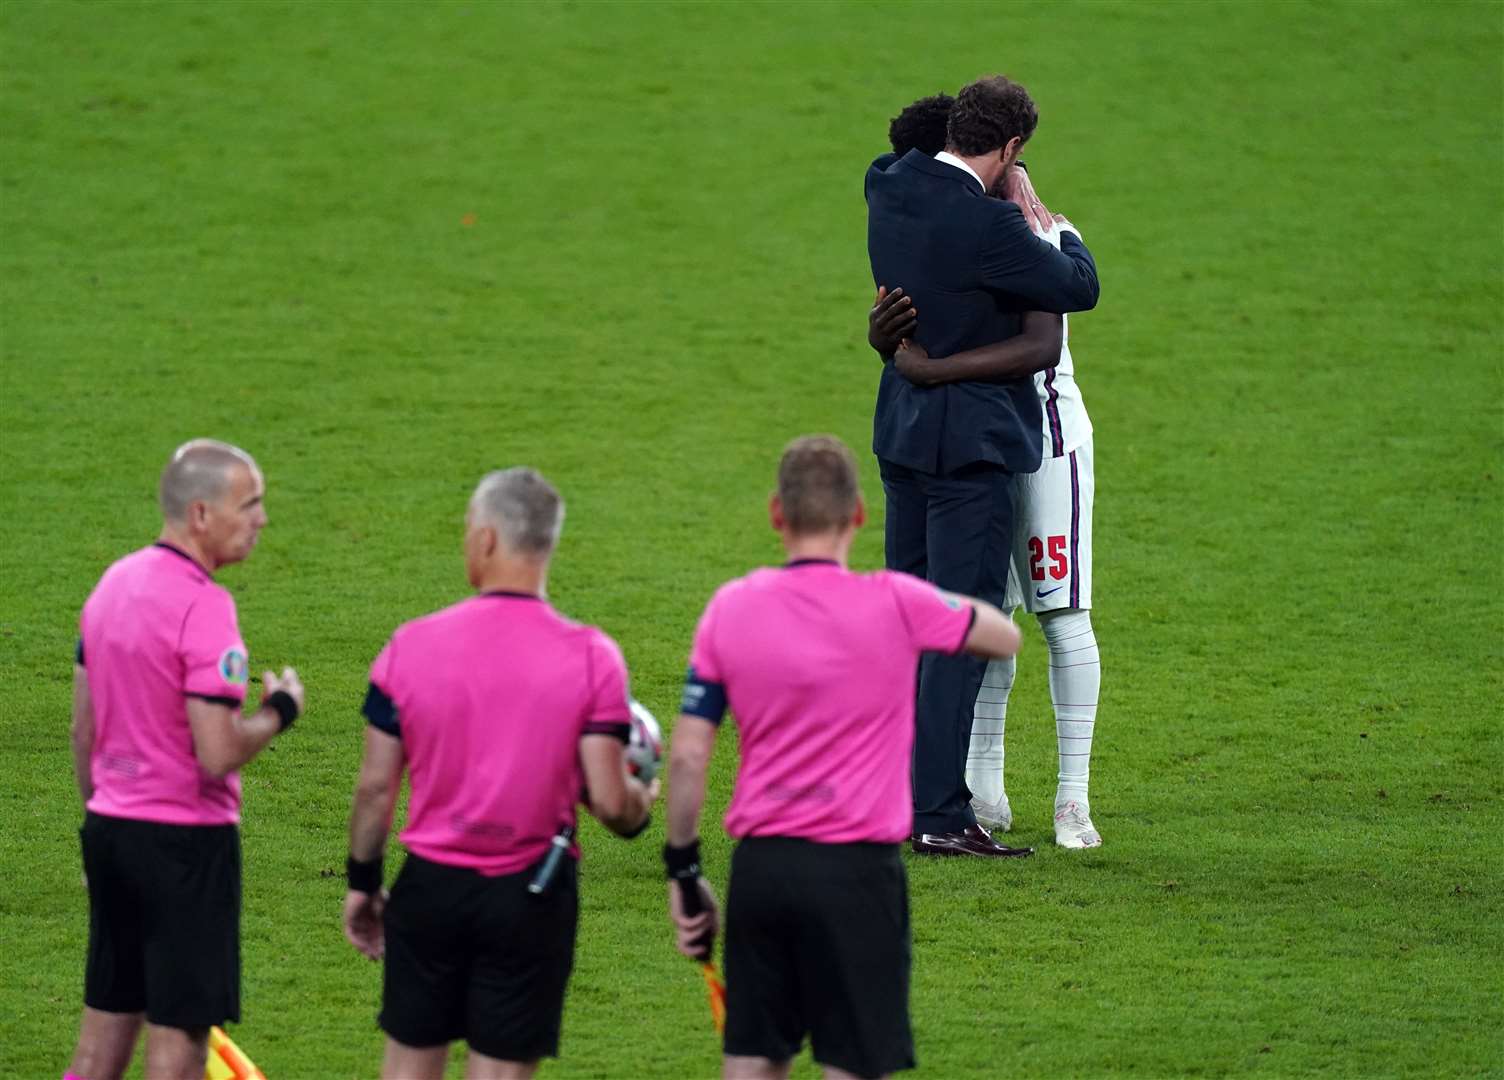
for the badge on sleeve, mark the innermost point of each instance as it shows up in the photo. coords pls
(949, 600)
(234, 666)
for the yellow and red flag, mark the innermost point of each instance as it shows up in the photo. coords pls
(715, 990)
(228, 1061)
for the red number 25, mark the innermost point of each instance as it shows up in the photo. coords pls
(1059, 565)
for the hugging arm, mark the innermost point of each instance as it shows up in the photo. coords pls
(1035, 348)
(1013, 260)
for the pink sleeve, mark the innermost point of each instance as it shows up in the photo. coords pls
(382, 674)
(215, 663)
(702, 658)
(608, 712)
(936, 621)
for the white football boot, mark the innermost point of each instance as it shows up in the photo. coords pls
(1073, 827)
(997, 816)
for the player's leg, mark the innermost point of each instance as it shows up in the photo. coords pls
(1075, 683)
(106, 1042)
(1063, 606)
(114, 973)
(174, 1053)
(986, 756)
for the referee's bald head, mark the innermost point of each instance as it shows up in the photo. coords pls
(524, 509)
(817, 485)
(199, 471)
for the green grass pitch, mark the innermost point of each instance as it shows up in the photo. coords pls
(388, 246)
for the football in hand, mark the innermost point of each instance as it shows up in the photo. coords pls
(645, 746)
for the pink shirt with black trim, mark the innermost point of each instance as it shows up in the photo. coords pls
(818, 664)
(155, 631)
(490, 698)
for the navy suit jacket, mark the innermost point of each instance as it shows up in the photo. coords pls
(972, 266)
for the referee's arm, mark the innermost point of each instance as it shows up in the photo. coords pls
(688, 763)
(82, 732)
(692, 906)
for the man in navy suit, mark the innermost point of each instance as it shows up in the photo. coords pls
(946, 452)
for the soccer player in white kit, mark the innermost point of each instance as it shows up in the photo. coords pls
(1050, 565)
(1050, 576)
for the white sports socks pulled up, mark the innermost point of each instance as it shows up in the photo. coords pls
(1075, 684)
(984, 756)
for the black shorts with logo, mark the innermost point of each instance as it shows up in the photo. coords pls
(164, 920)
(478, 958)
(817, 942)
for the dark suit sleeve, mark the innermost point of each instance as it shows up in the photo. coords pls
(879, 165)
(1014, 260)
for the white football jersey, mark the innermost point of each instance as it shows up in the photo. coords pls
(1066, 425)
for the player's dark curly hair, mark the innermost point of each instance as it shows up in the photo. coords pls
(987, 114)
(921, 126)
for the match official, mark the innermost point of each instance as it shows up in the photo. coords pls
(818, 665)
(502, 711)
(158, 734)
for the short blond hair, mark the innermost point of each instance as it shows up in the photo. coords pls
(817, 484)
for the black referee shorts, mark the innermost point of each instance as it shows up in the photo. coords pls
(164, 920)
(478, 958)
(817, 942)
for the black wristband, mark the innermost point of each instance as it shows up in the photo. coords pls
(364, 876)
(682, 863)
(285, 707)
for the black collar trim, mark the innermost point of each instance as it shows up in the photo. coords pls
(180, 553)
(809, 562)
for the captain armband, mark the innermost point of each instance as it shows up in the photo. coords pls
(703, 698)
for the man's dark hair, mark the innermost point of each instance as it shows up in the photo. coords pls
(817, 485)
(987, 114)
(921, 126)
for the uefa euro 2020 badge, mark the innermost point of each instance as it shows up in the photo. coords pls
(234, 666)
(950, 601)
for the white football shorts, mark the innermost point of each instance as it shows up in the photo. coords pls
(1051, 564)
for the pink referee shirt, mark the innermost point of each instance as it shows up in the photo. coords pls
(490, 698)
(156, 630)
(818, 666)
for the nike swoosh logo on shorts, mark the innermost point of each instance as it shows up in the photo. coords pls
(1048, 592)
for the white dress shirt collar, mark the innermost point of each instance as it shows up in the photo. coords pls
(951, 159)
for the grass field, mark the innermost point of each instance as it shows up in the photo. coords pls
(388, 246)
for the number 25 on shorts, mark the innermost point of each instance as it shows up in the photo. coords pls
(1059, 565)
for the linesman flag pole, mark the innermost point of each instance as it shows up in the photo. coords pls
(715, 990)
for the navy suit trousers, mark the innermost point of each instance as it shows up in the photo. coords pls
(954, 530)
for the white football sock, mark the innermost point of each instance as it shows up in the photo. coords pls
(1075, 683)
(984, 757)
